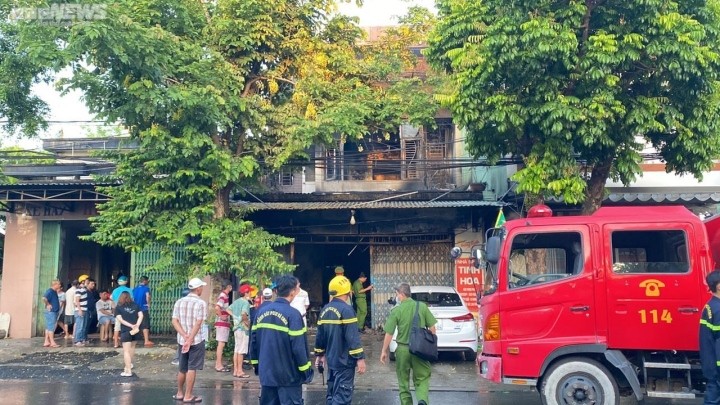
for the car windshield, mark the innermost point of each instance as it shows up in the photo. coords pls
(438, 299)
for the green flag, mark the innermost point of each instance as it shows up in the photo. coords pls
(500, 219)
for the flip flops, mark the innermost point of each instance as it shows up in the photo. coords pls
(223, 370)
(192, 400)
(243, 376)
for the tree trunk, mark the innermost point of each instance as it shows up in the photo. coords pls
(222, 202)
(222, 195)
(596, 187)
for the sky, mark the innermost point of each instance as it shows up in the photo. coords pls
(71, 108)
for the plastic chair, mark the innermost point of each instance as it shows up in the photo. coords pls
(4, 325)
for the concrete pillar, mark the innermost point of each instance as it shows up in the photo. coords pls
(20, 271)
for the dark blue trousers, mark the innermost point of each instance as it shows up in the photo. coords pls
(712, 392)
(340, 386)
(291, 395)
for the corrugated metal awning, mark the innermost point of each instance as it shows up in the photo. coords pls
(664, 197)
(337, 205)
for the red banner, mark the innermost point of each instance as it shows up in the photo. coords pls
(468, 282)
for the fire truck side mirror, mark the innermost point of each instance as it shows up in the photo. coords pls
(492, 249)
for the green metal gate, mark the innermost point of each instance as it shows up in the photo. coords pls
(49, 265)
(162, 300)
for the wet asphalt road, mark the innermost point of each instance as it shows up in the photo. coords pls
(31, 374)
(237, 393)
(233, 392)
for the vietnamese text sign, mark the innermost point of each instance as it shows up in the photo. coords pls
(468, 282)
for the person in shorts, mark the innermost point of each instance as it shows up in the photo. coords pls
(188, 317)
(222, 324)
(141, 296)
(122, 287)
(52, 307)
(70, 309)
(61, 314)
(105, 309)
(240, 311)
(130, 317)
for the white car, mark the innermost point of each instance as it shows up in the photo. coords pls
(456, 326)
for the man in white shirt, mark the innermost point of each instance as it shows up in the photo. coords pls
(188, 318)
(70, 310)
(301, 302)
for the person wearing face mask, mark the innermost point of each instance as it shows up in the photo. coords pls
(337, 344)
(401, 317)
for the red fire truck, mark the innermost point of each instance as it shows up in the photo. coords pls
(591, 308)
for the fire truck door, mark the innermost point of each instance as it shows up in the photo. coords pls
(650, 274)
(549, 299)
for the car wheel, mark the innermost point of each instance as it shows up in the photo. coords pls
(470, 355)
(392, 356)
(579, 381)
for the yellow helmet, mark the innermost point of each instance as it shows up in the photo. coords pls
(83, 278)
(339, 285)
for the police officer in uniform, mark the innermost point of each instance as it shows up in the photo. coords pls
(337, 344)
(402, 317)
(279, 348)
(710, 340)
(360, 292)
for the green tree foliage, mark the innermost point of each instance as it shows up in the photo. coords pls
(579, 88)
(19, 109)
(215, 92)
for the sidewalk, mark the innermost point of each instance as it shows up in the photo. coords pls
(99, 362)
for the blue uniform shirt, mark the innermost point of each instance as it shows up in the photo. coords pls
(710, 339)
(338, 338)
(279, 346)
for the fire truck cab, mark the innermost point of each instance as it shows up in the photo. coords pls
(589, 308)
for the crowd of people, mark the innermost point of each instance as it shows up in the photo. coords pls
(269, 331)
(82, 310)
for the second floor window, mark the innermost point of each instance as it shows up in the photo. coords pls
(285, 177)
(411, 153)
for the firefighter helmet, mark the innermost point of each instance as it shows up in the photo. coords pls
(339, 285)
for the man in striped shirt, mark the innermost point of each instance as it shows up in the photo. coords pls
(189, 314)
(81, 312)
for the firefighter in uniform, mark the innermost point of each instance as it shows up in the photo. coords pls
(710, 340)
(402, 317)
(337, 344)
(279, 348)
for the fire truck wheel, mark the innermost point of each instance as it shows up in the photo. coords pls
(579, 381)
